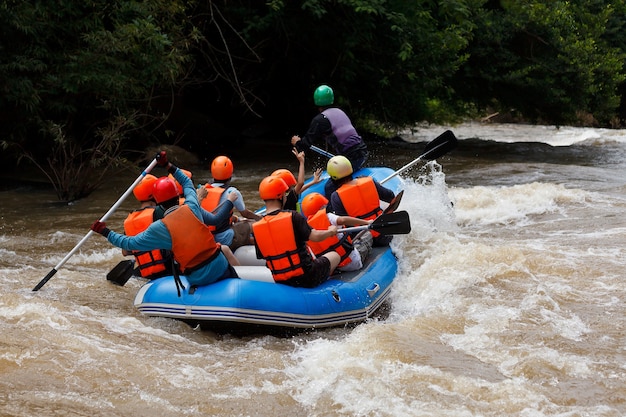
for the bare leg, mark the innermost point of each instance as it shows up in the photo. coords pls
(334, 259)
(230, 256)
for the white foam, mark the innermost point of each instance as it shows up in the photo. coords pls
(513, 204)
(512, 133)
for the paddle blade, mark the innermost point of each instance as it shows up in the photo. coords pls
(397, 223)
(440, 146)
(393, 204)
(121, 273)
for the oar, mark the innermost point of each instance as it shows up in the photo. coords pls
(394, 203)
(439, 146)
(397, 223)
(104, 218)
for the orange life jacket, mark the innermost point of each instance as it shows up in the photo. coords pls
(150, 263)
(360, 199)
(193, 244)
(210, 203)
(342, 246)
(275, 239)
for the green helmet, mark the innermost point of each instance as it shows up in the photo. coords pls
(338, 167)
(323, 96)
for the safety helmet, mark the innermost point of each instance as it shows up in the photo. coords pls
(286, 175)
(312, 203)
(143, 190)
(222, 168)
(323, 96)
(165, 189)
(178, 186)
(339, 167)
(272, 188)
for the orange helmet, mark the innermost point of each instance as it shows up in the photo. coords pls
(312, 203)
(180, 187)
(222, 168)
(286, 175)
(143, 190)
(165, 189)
(272, 188)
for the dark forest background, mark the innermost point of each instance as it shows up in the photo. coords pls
(88, 85)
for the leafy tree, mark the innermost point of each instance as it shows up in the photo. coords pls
(549, 61)
(85, 82)
(385, 59)
(78, 76)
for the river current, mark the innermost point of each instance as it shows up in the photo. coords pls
(512, 302)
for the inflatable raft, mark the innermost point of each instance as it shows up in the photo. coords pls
(254, 300)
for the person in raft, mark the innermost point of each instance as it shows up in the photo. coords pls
(150, 264)
(232, 232)
(357, 197)
(296, 187)
(352, 252)
(281, 239)
(334, 126)
(183, 230)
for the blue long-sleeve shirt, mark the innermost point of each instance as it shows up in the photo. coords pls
(156, 236)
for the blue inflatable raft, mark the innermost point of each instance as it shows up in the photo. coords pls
(254, 300)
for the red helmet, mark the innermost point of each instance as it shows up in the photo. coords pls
(286, 175)
(312, 203)
(165, 189)
(272, 188)
(222, 168)
(180, 187)
(143, 190)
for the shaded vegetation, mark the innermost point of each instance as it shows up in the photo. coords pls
(87, 85)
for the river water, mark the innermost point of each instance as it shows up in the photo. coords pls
(511, 303)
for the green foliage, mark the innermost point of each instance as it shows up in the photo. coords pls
(549, 60)
(80, 78)
(385, 59)
(74, 69)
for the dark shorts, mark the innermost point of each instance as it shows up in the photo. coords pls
(242, 231)
(357, 156)
(319, 272)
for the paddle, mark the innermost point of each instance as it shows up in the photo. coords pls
(439, 146)
(397, 223)
(104, 218)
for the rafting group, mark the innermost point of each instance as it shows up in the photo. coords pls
(325, 241)
(196, 234)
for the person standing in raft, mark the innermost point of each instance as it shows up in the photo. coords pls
(357, 197)
(334, 126)
(231, 232)
(154, 263)
(281, 239)
(183, 230)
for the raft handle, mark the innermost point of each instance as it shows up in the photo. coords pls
(336, 296)
(373, 289)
